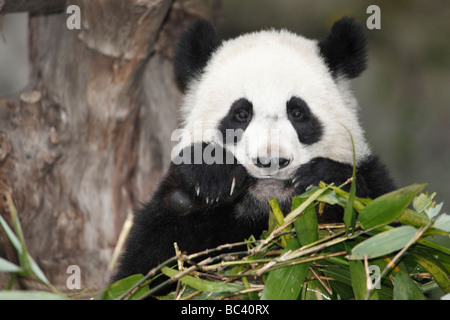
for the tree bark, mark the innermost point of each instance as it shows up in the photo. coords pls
(89, 139)
(32, 6)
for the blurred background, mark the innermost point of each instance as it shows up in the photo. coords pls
(404, 95)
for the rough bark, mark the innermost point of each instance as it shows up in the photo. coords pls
(33, 6)
(90, 136)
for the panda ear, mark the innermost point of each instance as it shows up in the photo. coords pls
(344, 50)
(194, 49)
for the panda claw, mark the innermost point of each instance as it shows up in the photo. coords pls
(207, 200)
(197, 190)
(233, 183)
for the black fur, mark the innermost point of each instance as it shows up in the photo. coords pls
(234, 124)
(156, 228)
(307, 126)
(203, 225)
(209, 182)
(372, 180)
(344, 50)
(194, 49)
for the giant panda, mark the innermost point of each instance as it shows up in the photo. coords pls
(266, 114)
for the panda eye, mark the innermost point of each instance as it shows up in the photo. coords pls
(296, 114)
(297, 110)
(241, 115)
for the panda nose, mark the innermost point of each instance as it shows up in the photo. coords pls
(268, 162)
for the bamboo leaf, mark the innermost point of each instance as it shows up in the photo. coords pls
(29, 295)
(279, 217)
(443, 221)
(388, 207)
(11, 236)
(278, 214)
(204, 285)
(405, 288)
(36, 270)
(413, 218)
(306, 226)
(341, 275)
(116, 289)
(272, 224)
(422, 202)
(314, 290)
(433, 211)
(29, 266)
(349, 213)
(383, 243)
(434, 267)
(16, 237)
(286, 283)
(332, 197)
(358, 277)
(6, 266)
(305, 204)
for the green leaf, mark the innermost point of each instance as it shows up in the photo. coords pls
(279, 217)
(314, 290)
(413, 218)
(22, 252)
(286, 283)
(434, 267)
(204, 285)
(443, 221)
(341, 275)
(306, 226)
(431, 244)
(357, 275)
(29, 266)
(383, 243)
(6, 266)
(388, 207)
(278, 214)
(36, 270)
(349, 213)
(318, 191)
(332, 197)
(272, 224)
(405, 288)
(116, 289)
(29, 295)
(422, 202)
(434, 211)
(359, 282)
(11, 236)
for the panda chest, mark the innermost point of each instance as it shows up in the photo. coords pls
(265, 189)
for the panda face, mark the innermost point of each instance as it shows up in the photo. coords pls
(271, 99)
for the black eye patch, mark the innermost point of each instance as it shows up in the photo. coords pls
(308, 127)
(236, 121)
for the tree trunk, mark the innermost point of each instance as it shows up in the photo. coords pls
(90, 137)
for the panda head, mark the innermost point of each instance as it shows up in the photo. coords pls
(275, 99)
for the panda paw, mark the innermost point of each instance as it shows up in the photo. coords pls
(215, 182)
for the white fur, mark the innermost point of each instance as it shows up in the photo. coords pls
(268, 68)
